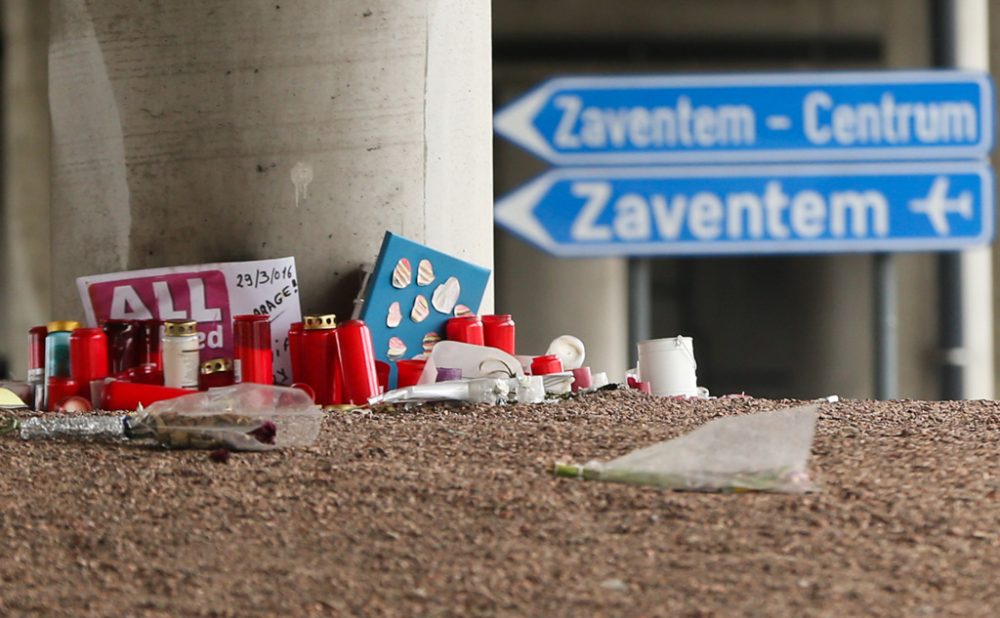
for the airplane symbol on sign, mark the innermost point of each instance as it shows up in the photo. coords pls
(937, 205)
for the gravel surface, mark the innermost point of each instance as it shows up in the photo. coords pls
(453, 512)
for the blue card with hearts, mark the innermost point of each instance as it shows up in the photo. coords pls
(411, 293)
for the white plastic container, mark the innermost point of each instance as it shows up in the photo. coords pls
(181, 359)
(669, 366)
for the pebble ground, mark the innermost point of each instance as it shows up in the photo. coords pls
(453, 512)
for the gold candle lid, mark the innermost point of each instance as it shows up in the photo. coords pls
(63, 325)
(216, 365)
(179, 328)
(319, 322)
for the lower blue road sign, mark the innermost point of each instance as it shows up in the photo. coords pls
(767, 209)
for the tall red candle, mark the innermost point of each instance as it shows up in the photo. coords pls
(252, 343)
(319, 358)
(295, 350)
(88, 358)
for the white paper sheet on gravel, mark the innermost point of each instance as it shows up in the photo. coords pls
(767, 451)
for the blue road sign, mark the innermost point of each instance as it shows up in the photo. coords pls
(754, 118)
(588, 212)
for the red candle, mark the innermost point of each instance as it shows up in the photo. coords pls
(121, 395)
(123, 346)
(319, 358)
(295, 350)
(467, 329)
(88, 358)
(216, 373)
(498, 332)
(252, 343)
(149, 343)
(356, 360)
(544, 365)
(60, 389)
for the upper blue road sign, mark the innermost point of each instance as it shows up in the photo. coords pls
(629, 120)
(588, 212)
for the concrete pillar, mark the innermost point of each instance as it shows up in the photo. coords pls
(26, 265)
(178, 128)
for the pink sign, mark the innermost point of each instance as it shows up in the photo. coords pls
(197, 295)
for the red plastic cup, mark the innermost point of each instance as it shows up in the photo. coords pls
(356, 362)
(123, 344)
(467, 329)
(121, 395)
(305, 388)
(383, 369)
(59, 390)
(498, 332)
(88, 358)
(408, 372)
(582, 378)
(252, 345)
(295, 350)
(544, 365)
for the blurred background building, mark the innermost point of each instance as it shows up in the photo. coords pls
(770, 326)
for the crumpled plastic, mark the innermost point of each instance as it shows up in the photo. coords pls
(767, 451)
(244, 417)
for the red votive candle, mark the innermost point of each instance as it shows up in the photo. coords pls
(121, 395)
(498, 332)
(319, 358)
(88, 358)
(216, 373)
(467, 329)
(252, 345)
(544, 365)
(123, 347)
(582, 378)
(356, 360)
(60, 389)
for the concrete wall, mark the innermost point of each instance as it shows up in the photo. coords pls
(25, 216)
(178, 127)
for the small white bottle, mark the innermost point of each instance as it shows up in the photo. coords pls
(180, 354)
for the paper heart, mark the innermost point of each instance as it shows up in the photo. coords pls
(420, 309)
(395, 316)
(446, 295)
(425, 273)
(396, 348)
(402, 274)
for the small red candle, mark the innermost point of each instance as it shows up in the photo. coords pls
(498, 332)
(467, 329)
(544, 365)
(216, 373)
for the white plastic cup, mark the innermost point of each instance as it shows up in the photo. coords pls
(669, 366)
